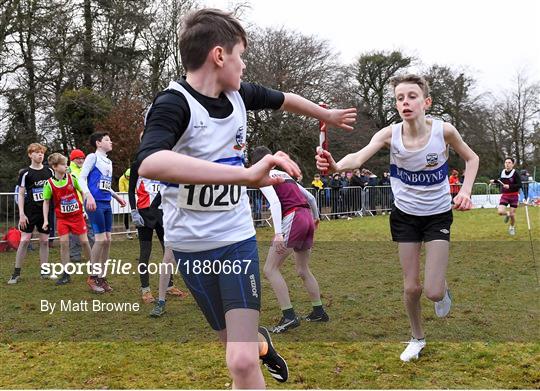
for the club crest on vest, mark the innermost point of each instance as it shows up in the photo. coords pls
(432, 159)
(240, 144)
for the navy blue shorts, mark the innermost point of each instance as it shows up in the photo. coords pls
(101, 218)
(223, 279)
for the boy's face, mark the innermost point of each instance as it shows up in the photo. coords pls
(79, 161)
(36, 156)
(508, 165)
(105, 144)
(410, 101)
(233, 67)
(60, 168)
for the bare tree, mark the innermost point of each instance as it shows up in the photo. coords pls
(288, 61)
(517, 114)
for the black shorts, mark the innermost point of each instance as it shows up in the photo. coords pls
(152, 217)
(409, 228)
(223, 279)
(35, 220)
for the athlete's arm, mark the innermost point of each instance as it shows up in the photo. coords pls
(452, 137)
(169, 166)
(88, 165)
(23, 220)
(325, 161)
(133, 178)
(340, 118)
(275, 207)
(46, 204)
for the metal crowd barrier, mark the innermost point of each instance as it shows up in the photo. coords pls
(345, 202)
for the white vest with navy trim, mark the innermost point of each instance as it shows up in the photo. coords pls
(419, 179)
(206, 225)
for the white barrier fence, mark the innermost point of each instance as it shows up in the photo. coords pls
(344, 202)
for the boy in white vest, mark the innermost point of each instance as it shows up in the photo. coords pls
(423, 210)
(194, 143)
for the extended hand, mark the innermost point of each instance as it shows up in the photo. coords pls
(462, 202)
(342, 118)
(258, 173)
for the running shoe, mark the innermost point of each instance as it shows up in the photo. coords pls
(286, 324)
(442, 307)
(275, 364)
(94, 285)
(413, 349)
(312, 317)
(174, 291)
(158, 310)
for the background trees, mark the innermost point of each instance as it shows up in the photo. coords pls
(69, 67)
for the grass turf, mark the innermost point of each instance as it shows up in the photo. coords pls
(491, 338)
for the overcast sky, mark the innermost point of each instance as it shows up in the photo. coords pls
(492, 40)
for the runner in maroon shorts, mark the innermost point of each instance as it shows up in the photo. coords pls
(62, 188)
(295, 216)
(510, 184)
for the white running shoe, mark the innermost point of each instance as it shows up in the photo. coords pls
(442, 308)
(512, 230)
(413, 349)
(14, 279)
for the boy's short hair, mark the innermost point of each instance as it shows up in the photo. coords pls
(95, 137)
(258, 153)
(56, 158)
(411, 79)
(511, 159)
(204, 29)
(36, 147)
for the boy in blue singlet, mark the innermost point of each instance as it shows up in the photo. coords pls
(194, 143)
(423, 211)
(95, 180)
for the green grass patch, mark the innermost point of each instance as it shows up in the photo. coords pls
(491, 339)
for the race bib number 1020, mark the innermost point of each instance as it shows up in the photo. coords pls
(211, 198)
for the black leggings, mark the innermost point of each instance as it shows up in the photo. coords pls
(145, 243)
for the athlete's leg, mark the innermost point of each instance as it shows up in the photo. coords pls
(145, 249)
(501, 210)
(435, 270)
(512, 215)
(302, 268)
(22, 250)
(242, 351)
(271, 271)
(64, 248)
(85, 245)
(409, 257)
(43, 248)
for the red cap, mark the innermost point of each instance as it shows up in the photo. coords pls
(76, 153)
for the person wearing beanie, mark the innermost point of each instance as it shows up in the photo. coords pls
(76, 161)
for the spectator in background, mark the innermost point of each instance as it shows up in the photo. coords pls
(318, 185)
(123, 187)
(335, 197)
(76, 158)
(357, 184)
(524, 175)
(386, 193)
(369, 192)
(385, 180)
(453, 179)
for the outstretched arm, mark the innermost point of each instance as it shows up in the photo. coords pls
(169, 166)
(340, 118)
(325, 161)
(452, 137)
